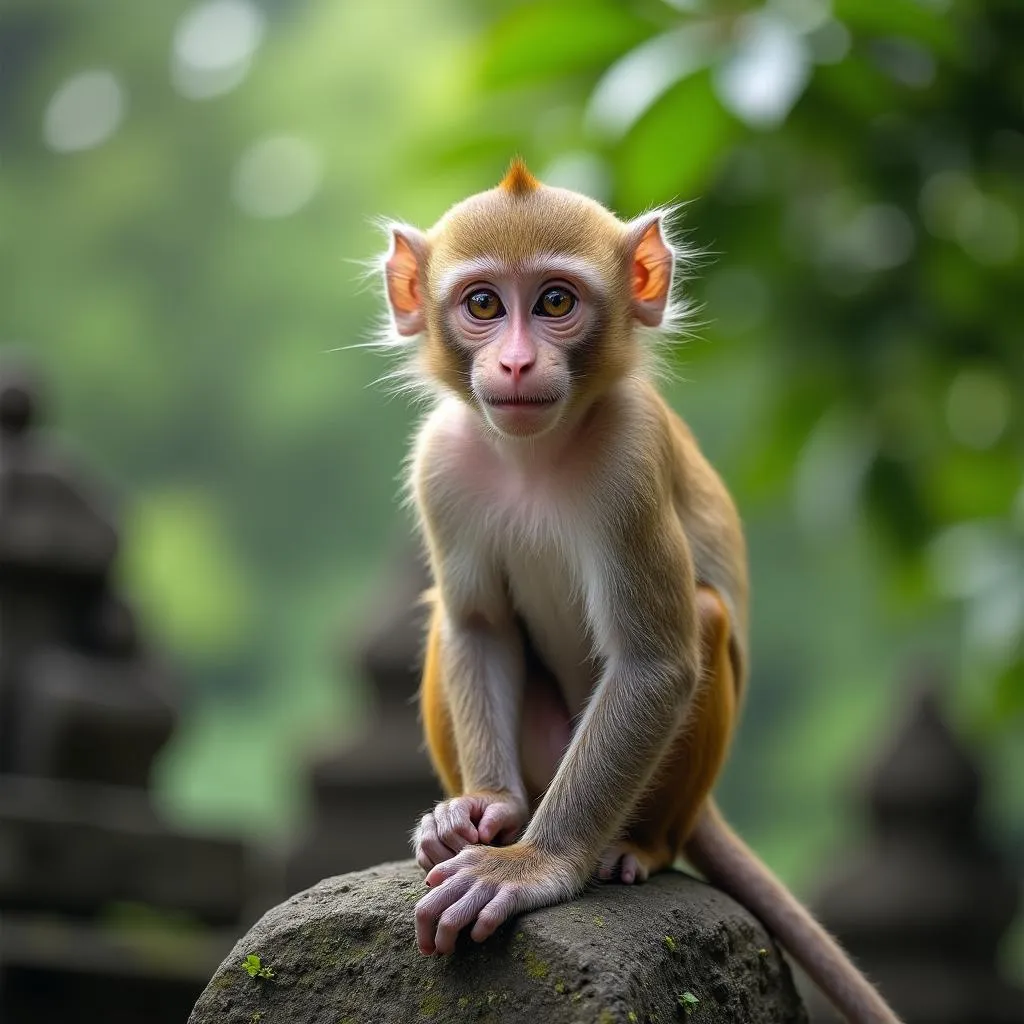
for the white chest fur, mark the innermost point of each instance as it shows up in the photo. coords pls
(522, 526)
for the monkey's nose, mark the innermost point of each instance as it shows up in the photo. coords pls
(516, 365)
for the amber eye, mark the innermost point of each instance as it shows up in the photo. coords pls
(555, 302)
(484, 305)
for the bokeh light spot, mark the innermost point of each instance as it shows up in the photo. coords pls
(878, 237)
(904, 61)
(84, 112)
(954, 207)
(766, 73)
(213, 47)
(633, 84)
(276, 176)
(584, 172)
(830, 43)
(977, 408)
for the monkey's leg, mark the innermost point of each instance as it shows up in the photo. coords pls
(669, 809)
(436, 715)
(545, 729)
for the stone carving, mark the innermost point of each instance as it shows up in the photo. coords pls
(85, 707)
(369, 793)
(924, 906)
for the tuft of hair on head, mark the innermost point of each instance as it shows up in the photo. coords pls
(518, 180)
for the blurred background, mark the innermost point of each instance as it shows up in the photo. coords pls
(187, 202)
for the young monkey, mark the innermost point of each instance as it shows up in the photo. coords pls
(588, 640)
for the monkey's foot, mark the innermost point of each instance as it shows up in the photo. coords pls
(627, 863)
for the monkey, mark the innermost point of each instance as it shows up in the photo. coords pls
(586, 652)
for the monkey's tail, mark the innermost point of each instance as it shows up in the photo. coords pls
(727, 862)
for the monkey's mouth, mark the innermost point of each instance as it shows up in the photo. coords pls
(522, 401)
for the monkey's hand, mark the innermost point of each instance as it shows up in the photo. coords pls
(492, 817)
(485, 886)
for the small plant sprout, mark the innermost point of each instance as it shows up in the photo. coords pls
(254, 967)
(689, 1002)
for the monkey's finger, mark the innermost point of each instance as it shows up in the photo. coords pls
(454, 825)
(629, 869)
(610, 864)
(458, 915)
(447, 868)
(498, 821)
(430, 845)
(495, 914)
(433, 905)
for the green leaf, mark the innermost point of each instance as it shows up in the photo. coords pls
(673, 151)
(252, 965)
(547, 40)
(1008, 693)
(689, 1002)
(907, 18)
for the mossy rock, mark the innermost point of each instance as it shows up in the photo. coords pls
(673, 949)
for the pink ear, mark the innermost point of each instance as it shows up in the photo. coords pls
(651, 272)
(402, 275)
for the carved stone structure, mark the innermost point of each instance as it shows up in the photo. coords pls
(369, 793)
(85, 707)
(924, 907)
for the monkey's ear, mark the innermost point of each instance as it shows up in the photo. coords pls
(404, 280)
(650, 270)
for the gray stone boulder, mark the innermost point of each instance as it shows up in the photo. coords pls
(343, 952)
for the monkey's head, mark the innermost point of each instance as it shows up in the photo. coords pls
(526, 299)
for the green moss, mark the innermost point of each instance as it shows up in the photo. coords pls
(670, 943)
(607, 1017)
(353, 954)
(430, 1004)
(599, 920)
(535, 967)
(463, 1002)
(632, 1017)
(222, 980)
(559, 986)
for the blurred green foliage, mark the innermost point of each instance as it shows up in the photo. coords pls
(854, 177)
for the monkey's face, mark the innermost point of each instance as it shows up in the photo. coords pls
(526, 298)
(519, 337)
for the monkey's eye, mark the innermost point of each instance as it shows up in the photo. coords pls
(555, 302)
(484, 305)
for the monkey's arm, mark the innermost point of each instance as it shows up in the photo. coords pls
(481, 676)
(641, 599)
(643, 603)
